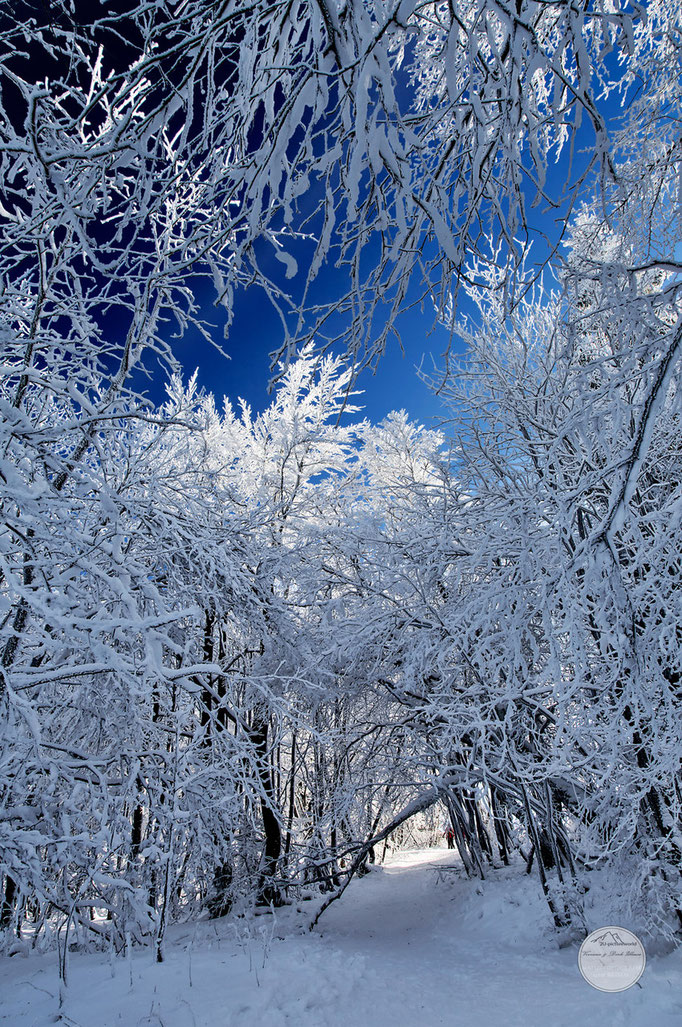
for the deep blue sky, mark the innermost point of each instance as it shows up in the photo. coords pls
(256, 331)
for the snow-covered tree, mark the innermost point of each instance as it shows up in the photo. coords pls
(236, 649)
(391, 139)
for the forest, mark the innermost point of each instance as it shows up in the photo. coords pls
(240, 649)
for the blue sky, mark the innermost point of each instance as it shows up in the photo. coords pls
(257, 330)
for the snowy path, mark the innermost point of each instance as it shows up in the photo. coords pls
(410, 945)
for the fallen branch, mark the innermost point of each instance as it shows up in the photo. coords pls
(422, 802)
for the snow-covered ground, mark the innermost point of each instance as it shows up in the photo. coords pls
(413, 944)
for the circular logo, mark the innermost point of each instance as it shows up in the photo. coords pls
(612, 959)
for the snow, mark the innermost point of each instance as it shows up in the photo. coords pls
(413, 943)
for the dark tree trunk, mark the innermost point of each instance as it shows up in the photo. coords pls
(500, 825)
(220, 902)
(269, 893)
(136, 834)
(292, 796)
(561, 916)
(9, 901)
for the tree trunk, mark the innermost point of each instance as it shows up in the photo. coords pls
(269, 893)
(9, 900)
